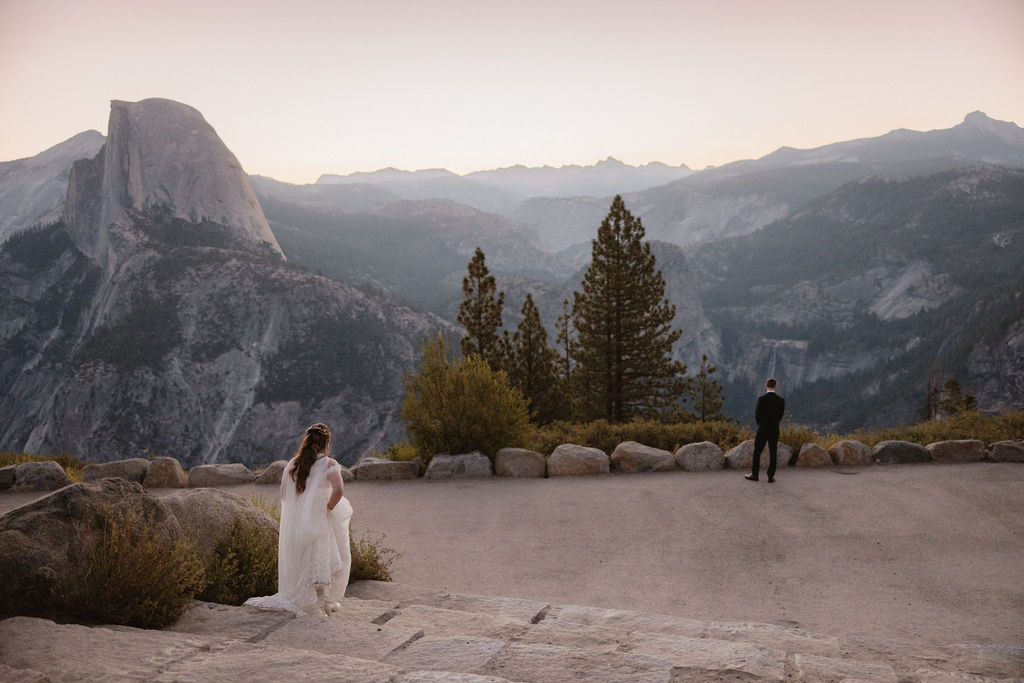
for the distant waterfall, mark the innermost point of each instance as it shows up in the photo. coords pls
(771, 364)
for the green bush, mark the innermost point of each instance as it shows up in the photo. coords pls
(459, 406)
(371, 559)
(243, 565)
(400, 452)
(127, 575)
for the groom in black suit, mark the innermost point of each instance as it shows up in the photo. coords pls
(768, 414)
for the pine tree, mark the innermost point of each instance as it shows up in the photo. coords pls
(480, 313)
(532, 363)
(624, 325)
(707, 394)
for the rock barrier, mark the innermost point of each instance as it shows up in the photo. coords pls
(565, 460)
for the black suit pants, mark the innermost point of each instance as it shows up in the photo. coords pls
(772, 441)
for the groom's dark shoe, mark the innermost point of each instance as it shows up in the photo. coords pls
(771, 480)
(751, 477)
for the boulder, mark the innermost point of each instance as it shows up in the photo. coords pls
(372, 468)
(463, 466)
(630, 456)
(39, 476)
(165, 473)
(742, 457)
(704, 455)
(1002, 451)
(208, 516)
(273, 473)
(960, 450)
(42, 542)
(519, 462)
(7, 477)
(848, 453)
(813, 455)
(570, 460)
(231, 474)
(899, 452)
(131, 469)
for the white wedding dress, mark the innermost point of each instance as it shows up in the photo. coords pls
(313, 554)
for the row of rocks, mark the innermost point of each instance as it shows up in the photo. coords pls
(631, 457)
(566, 460)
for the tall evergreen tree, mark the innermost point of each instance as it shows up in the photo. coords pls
(480, 313)
(624, 325)
(532, 363)
(707, 394)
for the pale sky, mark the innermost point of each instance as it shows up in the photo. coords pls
(305, 87)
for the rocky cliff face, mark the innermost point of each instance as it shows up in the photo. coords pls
(33, 189)
(161, 155)
(159, 317)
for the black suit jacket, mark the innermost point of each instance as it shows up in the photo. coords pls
(768, 413)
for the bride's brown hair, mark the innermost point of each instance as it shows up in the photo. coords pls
(316, 441)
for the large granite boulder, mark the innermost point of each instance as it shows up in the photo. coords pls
(39, 476)
(813, 455)
(7, 477)
(571, 460)
(43, 543)
(630, 456)
(462, 466)
(1002, 451)
(273, 473)
(165, 473)
(703, 455)
(372, 468)
(519, 462)
(959, 450)
(849, 453)
(208, 516)
(742, 457)
(232, 474)
(131, 469)
(899, 452)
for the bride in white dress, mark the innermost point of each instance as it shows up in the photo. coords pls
(313, 556)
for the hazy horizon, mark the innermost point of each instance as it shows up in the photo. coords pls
(317, 87)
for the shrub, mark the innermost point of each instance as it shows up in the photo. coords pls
(461, 406)
(126, 574)
(371, 560)
(400, 452)
(72, 466)
(243, 565)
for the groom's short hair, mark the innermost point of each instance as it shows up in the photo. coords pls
(770, 383)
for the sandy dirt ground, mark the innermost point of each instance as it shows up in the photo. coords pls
(926, 553)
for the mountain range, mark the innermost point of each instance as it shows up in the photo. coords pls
(155, 299)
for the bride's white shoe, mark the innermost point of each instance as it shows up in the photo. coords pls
(332, 607)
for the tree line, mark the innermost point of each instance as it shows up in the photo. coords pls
(612, 357)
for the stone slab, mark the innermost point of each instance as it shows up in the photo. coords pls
(396, 592)
(228, 621)
(627, 621)
(263, 663)
(458, 654)
(700, 658)
(330, 635)
(775, 637)
(506, 608)
(814, 668)
(74, 652)
(448, 677)
(554, 664)
(437, 622)
(367, 611)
